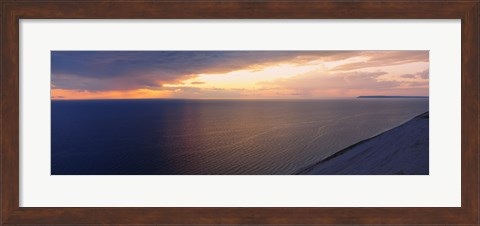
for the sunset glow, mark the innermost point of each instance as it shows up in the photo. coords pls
(237, 74)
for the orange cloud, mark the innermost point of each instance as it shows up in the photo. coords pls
(58, 94)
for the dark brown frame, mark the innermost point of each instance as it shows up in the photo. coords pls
(11, 11)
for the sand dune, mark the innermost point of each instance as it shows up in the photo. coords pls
(401, 150)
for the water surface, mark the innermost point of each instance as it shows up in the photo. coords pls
(235, 137)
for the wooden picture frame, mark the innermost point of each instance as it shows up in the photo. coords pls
(12, 11)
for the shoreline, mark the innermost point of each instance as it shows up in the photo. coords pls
(372, 149)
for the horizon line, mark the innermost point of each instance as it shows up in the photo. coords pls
(353, 97)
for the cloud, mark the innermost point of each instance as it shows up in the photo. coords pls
(324, 80)
(385, 58)
(419, 75)
(126, 70)
(408, 76)
(417, 84)
(424, 74)
(76, 82)
(197, 83)
(323, 84)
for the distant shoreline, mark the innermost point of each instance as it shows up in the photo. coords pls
(407, 139)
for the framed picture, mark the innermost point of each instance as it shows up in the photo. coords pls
(257, 112)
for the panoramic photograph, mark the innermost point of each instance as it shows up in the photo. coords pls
(240, 112)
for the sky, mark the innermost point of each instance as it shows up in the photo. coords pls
(237, 74)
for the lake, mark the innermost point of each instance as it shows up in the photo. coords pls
(213, 137)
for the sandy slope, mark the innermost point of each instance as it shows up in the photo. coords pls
(401, 150)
